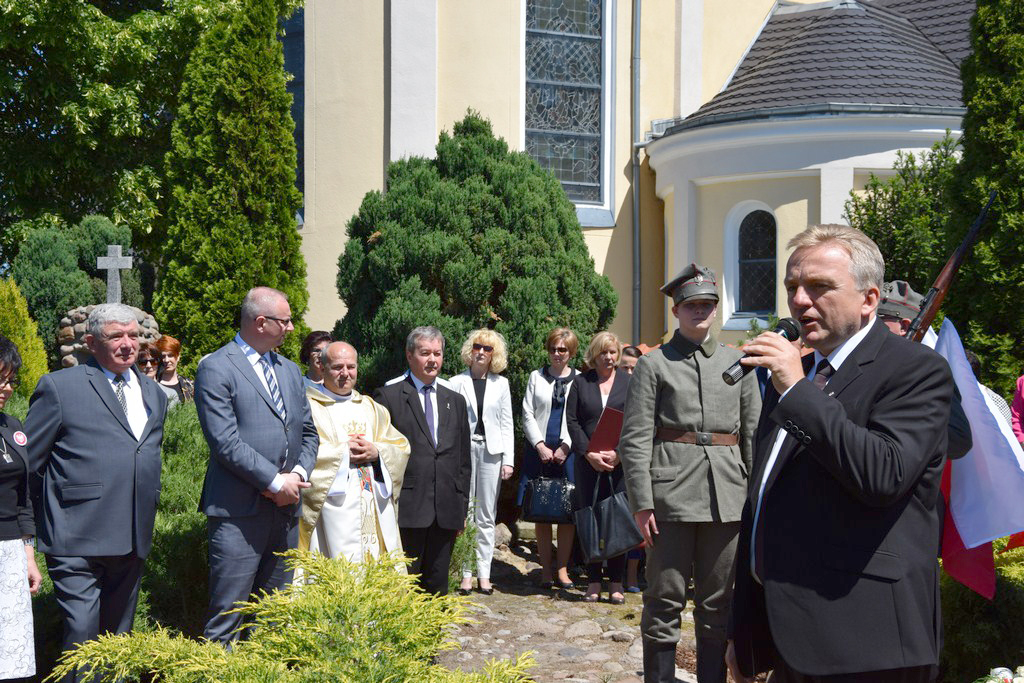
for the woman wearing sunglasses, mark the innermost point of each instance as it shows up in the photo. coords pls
(489, 408)
(148, 360)
(548, 451)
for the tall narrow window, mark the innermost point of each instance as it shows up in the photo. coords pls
(564, 103)
(757, 263)
(294, 42)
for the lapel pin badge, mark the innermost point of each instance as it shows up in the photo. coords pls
(831, 393)
(20, 438)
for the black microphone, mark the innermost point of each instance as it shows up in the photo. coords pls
(787, 327)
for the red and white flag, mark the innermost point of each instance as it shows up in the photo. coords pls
(983, 486)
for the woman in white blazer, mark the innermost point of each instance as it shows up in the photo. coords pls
(548, 450)
(489, 408)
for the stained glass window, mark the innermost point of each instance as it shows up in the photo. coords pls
(564, 72)
(757, 263)
(294, 41)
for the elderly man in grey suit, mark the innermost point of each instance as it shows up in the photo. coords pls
(94, 436)
(253, 411)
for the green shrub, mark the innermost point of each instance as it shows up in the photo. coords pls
(359, 623)
(46, 269)
(480, 236)
(980, 634)
(18, 326)
(463, 553)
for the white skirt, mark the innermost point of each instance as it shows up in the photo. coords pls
(17, 647)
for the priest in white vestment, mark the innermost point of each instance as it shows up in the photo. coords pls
(350, 508)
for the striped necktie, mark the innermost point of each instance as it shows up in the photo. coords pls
(119, 381)
(275, 391)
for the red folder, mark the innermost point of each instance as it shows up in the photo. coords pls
(606, 434)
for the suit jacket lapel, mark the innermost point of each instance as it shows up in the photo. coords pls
(99, 383)
(7, 434)
(150, 398)
(247, 371)
(444, 416)
(412, 397)
(470, 395)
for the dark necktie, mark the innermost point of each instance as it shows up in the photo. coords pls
(119, 390)
(275, 391)
(822, 373)
(820, 379)
(428, 412)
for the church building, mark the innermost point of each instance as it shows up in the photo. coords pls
(683, 130)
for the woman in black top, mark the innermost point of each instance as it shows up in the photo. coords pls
(19, 575)
(604, 385)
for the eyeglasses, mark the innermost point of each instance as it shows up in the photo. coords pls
(484, 347)
(558, 349)
(285, 322)
(148, 361)
(12, 382)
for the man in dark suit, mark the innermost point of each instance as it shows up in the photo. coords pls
(94, 436)
(432, 507)
(836, 575)
(253, 411)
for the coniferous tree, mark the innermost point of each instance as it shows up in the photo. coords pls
(478, 237)
(985, 301)
(18, 326)
(231, 169)
(47, 272)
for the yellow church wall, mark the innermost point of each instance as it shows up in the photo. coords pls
(480, 64)
(344, 131)
(729, 29)
(793, 202)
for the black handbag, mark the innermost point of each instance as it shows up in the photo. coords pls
(548, 500)
(606, 529)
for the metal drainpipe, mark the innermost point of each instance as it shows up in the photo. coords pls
(635, 145)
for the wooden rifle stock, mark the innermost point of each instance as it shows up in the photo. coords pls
(932, 301)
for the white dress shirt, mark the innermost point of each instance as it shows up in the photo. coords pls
(254, 356)
(835, 359)
(138, 413)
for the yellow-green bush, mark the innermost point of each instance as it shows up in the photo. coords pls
(349, 622)
(18, 326)
(980, 634)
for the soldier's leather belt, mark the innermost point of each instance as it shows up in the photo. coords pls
(700, 438)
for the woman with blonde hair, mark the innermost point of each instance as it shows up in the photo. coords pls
(548, 446)
(604, 385)
(489, 408)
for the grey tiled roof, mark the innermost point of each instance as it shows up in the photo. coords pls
(946, 23)
(866, 53)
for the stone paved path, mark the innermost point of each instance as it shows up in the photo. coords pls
(572, 641)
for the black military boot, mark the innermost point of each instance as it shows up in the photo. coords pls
(711, 666)
(659, 663)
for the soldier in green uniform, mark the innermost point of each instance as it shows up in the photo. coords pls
(686, 450)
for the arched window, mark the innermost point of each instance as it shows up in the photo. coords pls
(756, 263)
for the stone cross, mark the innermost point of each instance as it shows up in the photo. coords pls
(113, 263)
